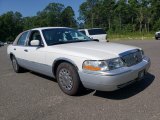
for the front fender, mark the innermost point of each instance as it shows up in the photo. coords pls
(60, 60)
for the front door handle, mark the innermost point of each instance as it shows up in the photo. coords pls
(26, 50)
(14, 48)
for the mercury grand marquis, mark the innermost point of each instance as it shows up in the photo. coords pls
(77, 61)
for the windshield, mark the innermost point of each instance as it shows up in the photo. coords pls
(63, 35)
(96, 31)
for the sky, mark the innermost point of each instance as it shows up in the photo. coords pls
(31, 7)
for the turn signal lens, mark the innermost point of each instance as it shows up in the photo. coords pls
(95, 65)
(91, 68)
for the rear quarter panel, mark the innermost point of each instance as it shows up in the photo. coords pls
(10, 49)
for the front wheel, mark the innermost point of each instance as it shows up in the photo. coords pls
(68, 79)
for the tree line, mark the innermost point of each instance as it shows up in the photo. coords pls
(117, 16)
(54, 14)
(121, 15)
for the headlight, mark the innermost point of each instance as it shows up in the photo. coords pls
(104, 65)
(115, 63)
(94, 65)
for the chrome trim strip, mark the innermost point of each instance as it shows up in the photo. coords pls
(146, 59)
(132, 57)
(128, 52)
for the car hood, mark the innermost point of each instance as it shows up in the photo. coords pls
(92, 49)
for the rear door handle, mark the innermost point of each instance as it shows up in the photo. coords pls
(26, 50)
(14, 48)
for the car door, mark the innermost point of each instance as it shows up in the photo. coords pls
(19, 47)
(36, 54)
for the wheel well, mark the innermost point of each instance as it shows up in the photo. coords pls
(11, 55)
(57, 63)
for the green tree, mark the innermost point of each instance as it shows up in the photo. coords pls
(122, 14)
(50, 16)
(11, 25)
(68, 17)
(87, 12)
(155, 11)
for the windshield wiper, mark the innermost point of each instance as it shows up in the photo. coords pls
(81, 41)
(56, 43)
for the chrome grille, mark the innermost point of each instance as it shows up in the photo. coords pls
(132, 58)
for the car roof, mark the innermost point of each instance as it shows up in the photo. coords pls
(90, 29)
(41, 28)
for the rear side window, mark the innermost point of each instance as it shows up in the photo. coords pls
(22, 38)
(96, 31)
(83, 32)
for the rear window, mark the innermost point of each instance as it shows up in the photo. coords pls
(96, 31)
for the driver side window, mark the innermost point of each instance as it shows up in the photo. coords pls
(35, 35)
(22, 39)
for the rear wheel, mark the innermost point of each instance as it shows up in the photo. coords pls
(68, 79)
(15, 65)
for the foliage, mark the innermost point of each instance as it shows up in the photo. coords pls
(11, 25)
(67, 17)
(54, 14)
(122, 15)
(117, 17)
(130, 36)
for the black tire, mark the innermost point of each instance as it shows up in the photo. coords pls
(68, 79)
(157, 38)
(15, 65)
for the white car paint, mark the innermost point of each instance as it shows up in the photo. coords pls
(157, 32)
(41, 59)
(100, 37)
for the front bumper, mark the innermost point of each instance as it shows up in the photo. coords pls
(114, 79)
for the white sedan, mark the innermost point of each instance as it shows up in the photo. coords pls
(77, 61)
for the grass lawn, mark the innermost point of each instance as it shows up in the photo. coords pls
(131, 36)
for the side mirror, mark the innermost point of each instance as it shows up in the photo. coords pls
(35, 43)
